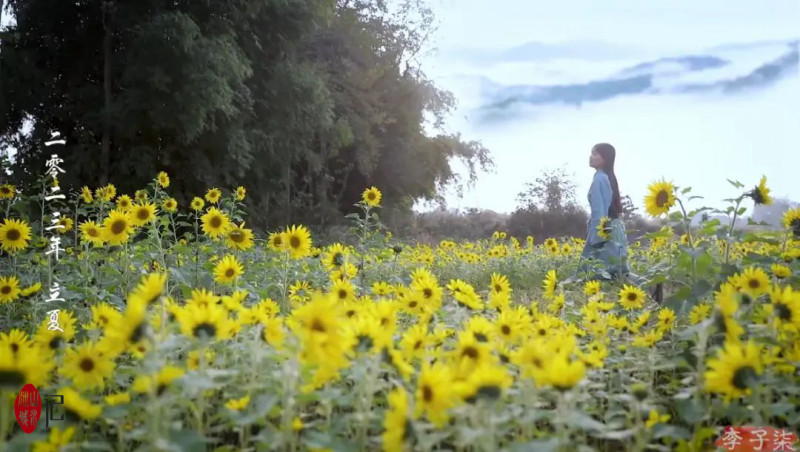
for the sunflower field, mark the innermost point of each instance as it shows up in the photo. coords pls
(178, 328)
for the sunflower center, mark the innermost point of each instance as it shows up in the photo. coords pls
(412, 304)
(631, 296)
(784, 313)
(294, 242)
(371, 196)
(92, 232)
(417, 345)
(138, 333)
(230, 272)
(498, 288)
(537, 362)
(236, 236)
(342, 294)
(205, 329)
(118, 227)
(542, 331)
(5, 290)
(215, 222)
(143, 214)
(662, 198)
(744, 377)
(754, 283)
(13, 234)
(480, 337)
(490, 392)
(427, 292)
(55, 342)
(86, 364)
(14, 347)
(427, 393)
(317, 325)
(505, 329)
(470, 352)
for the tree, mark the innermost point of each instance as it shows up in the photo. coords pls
(304, 103)
(551, 191)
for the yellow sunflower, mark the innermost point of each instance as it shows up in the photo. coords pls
(791, 220)
(142, 213)
(213, 195)
(239, 238)
(87, 367)
(550, 284)
(228, 269)
(631, 297)
(140, 196)
(7, 191)
(170, 205)
(197, 204)
(760, 193)
(277, 241)
(92, 233)
(67, 224)
(215, 223)
(16, 370)
(124, 203)
(735, 369)
(660, 198)
(208, 322)
(240, 193)
(163, 179)
(14, 235)
(117, 227)
(604, 228)
(298, 241)
(371, 197)
(9, 289)
(86, 195)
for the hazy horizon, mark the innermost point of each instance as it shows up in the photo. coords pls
(695, 138)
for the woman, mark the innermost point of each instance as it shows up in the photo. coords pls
(606, 239)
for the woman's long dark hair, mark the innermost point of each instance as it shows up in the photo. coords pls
(609, 154)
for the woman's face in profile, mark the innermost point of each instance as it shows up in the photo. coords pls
(596, 160)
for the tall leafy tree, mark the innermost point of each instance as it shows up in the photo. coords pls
(304, 103)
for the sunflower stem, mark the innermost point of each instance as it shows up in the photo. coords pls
(3, 420)
(730, 228)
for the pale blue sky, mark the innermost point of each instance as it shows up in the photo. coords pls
(663, 24)
(698, 141)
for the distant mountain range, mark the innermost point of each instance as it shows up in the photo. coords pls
(725, 69)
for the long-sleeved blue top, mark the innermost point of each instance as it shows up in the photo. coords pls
(600, 195)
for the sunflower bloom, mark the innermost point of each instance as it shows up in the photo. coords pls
(228, 270)
(660, 198)
(215, 223)
(117, 227)
(735, 369)
(371, 197)
(14, 235)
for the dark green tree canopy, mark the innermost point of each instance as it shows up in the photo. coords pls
(303, 103)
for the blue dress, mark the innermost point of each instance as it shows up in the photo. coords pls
(604, 255)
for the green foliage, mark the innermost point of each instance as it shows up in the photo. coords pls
(303, 103)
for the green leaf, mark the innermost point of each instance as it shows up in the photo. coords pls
(736, 184)
(542, 445)
(260, 406)
(619, 434)
(686, 190)
(187, 440)
(691, 411)
(583, 421)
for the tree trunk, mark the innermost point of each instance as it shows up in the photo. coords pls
(105, 150)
